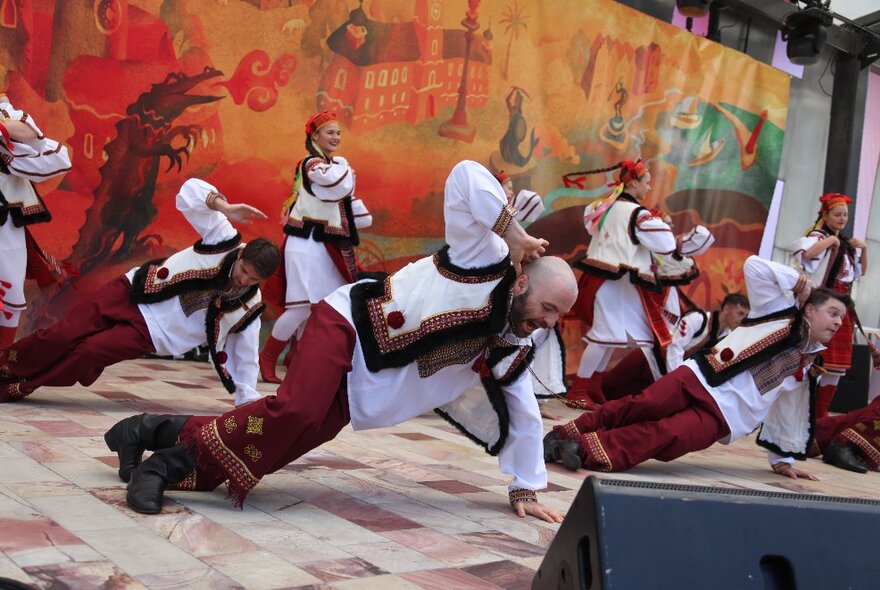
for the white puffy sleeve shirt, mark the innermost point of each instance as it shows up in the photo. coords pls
(37, 159)
(173, 332)
(330, 181)
(473, 205)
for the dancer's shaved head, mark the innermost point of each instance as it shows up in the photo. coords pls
(542, 294)
(554, 271)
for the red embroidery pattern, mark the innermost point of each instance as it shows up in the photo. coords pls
(597, 458)
(449, 274)
(188, 483)
(570, 431)
(521, 355)
(457, 353)
(504, 220)
(868, 448)
(28, 210)
(151, 286)
(769, 374)
(231, 466)
(801, 283)
(750, 350)
(436, 323)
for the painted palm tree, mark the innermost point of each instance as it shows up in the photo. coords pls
(514, 21)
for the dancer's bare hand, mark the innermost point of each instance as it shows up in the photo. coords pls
(792, 472)
(548, 416)
(523, 247)
(243, 214)
(804, 293)
(538, 511)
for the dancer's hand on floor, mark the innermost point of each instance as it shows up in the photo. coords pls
(547, 415)
(538, 511)
(789, 471)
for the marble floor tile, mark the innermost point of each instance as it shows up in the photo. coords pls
(81, 512)
(24, 534)
(446, 548)
(137, 550)
(95, 574)
(387, 582)
(198, 579)
(504, 574)
(393, 557)
(447, 579)
(289, 543)
(260, 570)
(349, 568)
(501, 544)
(25, 470)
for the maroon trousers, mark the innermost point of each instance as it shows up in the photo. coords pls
(95, 334)
(860, 428)
(628, 377)
(310, 408)
(672, 417)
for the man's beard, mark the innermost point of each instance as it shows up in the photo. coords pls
(517, 314)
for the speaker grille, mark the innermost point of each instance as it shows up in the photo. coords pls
(650, 485)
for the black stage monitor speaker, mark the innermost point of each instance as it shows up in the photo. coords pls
(639, 535)
(852, 390)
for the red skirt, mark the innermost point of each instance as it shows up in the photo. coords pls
(837, 357)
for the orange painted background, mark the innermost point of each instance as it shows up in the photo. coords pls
(147, 93)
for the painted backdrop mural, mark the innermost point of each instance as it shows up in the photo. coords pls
(147, 93)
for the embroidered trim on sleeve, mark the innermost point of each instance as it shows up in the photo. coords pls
(213, 196)
(503, 221)
(522, 495)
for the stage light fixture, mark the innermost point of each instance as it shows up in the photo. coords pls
(693, 8)
(805, 34)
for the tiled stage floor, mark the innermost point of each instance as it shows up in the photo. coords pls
(416, 506)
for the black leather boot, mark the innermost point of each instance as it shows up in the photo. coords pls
(563, 451)
(550, 441)
(149, 481)
(842, 455)
(130, 437)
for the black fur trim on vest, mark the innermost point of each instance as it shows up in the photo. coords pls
(631, 226)
(496, 398)
(219, 281)
(684, 279)
(498, 353)
(316, 230)
(213, 315)
(361, 293)
(19, 219)
(814, 382)
(561, 344)
(608, 275)
(484, 271)
(776, 315)
(795, 338)
(219, 248)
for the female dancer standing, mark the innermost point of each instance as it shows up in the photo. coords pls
(835, 261)
(321, 232)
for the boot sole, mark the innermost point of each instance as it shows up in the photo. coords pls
(140, 510)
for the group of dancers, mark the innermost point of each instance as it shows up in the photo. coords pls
(454, 332)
